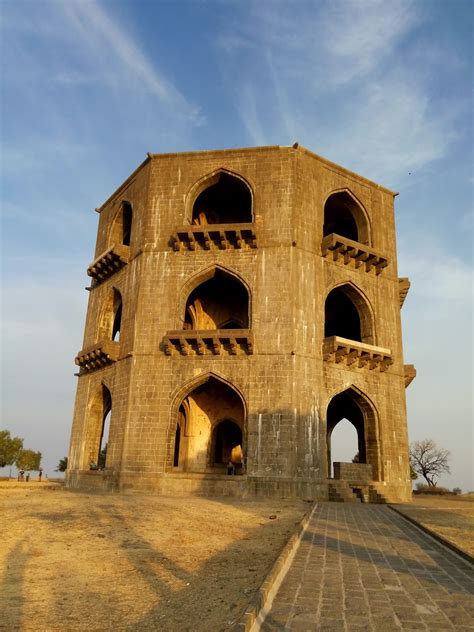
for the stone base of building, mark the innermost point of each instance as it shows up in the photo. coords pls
(190, 484)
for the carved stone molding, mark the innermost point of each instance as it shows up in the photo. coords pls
(215, 342)
(403, 287)
(97, 356)
(353, 253)
(214, 237)
(410, 374)
(108, 263)
(356, 354)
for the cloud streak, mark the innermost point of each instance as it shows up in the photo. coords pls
(120, 58)
(345, 79)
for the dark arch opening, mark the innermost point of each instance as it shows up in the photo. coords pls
(99, 416)
(117, 322)
(343, 216)
(344, 406)
(227, 201)
(227, 443)
(341, 317)
(221, 302)
(177, 442)
(126, 223)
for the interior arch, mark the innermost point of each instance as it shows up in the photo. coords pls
(209, 426)
(121, 231)
(99, 409)
(348, 314)
(345, 216)
(222, 198)
(220, 301)
(353, 406)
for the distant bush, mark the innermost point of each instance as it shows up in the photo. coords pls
(431, 490)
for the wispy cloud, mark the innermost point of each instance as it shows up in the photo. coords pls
(341, 78)
(119, 56)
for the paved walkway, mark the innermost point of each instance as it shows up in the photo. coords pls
(363, 567)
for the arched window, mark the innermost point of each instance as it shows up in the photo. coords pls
(122, 226)
(347, 315)
(209, 429)
(227, 200)
(344, 216)
(221, 302)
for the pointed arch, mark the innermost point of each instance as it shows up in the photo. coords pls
(353, 404)
(197, 408)
(348, 313)
(110, 321)
(345, 215)
(220, 197)
(233, 306)
(121, 225)
(194, 382)
(99, 406)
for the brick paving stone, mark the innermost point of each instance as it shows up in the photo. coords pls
(363, 567)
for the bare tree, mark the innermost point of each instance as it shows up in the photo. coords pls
(429, 461)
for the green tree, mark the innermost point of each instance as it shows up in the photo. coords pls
(10, 448)
(429, 461)
(62, 465)
(28, 460)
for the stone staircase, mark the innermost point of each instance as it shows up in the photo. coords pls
(341, 491)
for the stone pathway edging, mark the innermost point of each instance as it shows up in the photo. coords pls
(441, 539)
(257, 609)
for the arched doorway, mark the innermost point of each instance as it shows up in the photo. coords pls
(98, 429)
(353, 407)
(344, 216)
(227, 443)
(226, 200)
(347, 314)
(344, 443)
(220, 302)
(209, 428)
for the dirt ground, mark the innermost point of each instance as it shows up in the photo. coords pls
(74, 561)
(450, 516)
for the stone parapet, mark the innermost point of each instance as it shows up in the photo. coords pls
(214, 237)
(353, 472)
(108, 263)
(97, 356)
(214, 342)
(352, 252)
(356, 354)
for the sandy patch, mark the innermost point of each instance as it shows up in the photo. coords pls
(450, 516)
(76, 561)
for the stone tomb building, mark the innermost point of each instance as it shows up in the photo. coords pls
(243, 302)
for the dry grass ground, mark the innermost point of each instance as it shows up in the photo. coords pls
(450, 516)
(75, 561)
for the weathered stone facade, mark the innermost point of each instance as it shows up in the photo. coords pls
(242, 303)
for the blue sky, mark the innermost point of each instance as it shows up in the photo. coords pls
(88, 87)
